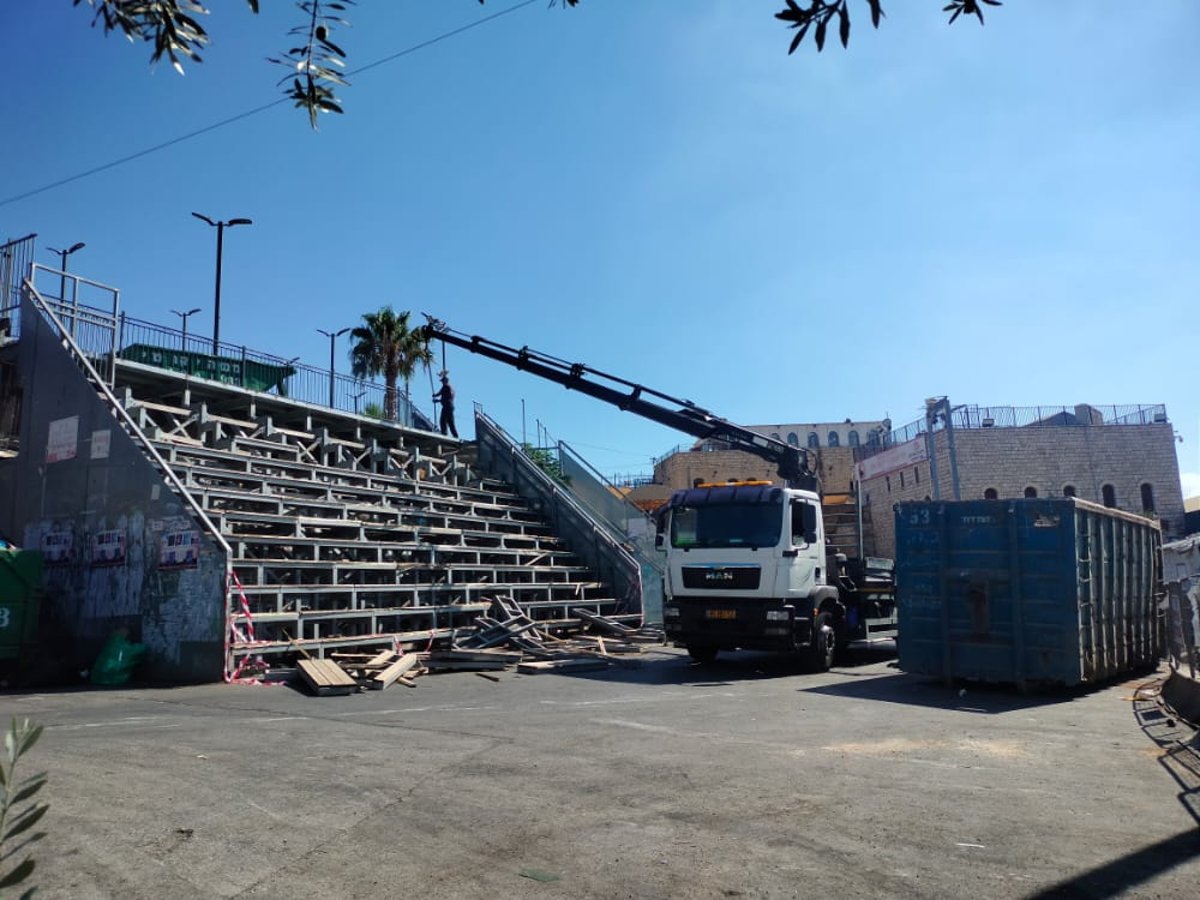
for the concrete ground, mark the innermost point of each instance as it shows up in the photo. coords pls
(741, 779)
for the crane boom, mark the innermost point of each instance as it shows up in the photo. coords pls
(683, 415)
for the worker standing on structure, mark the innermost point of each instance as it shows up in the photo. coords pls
(445, 396)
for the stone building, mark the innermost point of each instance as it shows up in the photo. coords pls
(1122, 457)
(830, 445)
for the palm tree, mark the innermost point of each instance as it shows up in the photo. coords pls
(385, 345)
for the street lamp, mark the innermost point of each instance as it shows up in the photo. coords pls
(333, 336)
(184, 316)
(63, 267)
(220, 226)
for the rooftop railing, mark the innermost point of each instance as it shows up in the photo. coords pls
(969, 417)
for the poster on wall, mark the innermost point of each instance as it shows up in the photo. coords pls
(108, 547)
(101, 441)
(58, 548)
(63, 439)
(179, 549)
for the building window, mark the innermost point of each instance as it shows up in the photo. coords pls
(888, 479)
(872, 438)
(775, 436)
(990, 494)
(1030, 493)
(916, 475)
(1069, 490)
(901, 478)
(852, 438)
(793, 439)
(833, 439)
(1108, 494)
(1147, 498)
(813, 440)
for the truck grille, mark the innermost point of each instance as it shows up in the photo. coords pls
(721, 578)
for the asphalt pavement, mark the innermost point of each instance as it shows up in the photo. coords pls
(746, 778)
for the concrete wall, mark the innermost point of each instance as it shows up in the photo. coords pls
(85, 493)
(1047, 459)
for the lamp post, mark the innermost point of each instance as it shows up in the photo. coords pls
(184, 316)
(360, 394)
(79, 245)
(220, 226)
(333, 336)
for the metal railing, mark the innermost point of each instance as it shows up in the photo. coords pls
(236, 364)
(503, 458)
(627, 523)
(970, 417)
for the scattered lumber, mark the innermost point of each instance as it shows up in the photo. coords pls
(394, 671)
(561, 665)
(470, 660)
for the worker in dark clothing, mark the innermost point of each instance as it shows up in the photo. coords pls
(445, 396)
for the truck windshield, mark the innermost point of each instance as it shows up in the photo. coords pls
(727, 525)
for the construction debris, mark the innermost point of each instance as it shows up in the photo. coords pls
(504, 638)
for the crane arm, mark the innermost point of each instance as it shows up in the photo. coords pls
(682, 415)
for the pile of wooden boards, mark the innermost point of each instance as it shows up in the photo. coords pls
(506, 637)
(506, 624)
(346, 673)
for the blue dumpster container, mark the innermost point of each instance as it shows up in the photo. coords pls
(1055, 591)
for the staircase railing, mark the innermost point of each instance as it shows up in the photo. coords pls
(503, 458)
(626, 522)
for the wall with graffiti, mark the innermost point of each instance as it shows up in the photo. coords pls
(121, 549)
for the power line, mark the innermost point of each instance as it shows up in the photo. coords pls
(253, 112)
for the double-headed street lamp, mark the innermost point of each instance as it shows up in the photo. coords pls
(184, 316)
(220, 226)
(333, 336)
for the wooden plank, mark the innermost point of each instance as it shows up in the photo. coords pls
(325, 677)
(393, 673)
(562, 665)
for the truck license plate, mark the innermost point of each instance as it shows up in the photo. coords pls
(720, 614)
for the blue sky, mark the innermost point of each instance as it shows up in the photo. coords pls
(1004, 215)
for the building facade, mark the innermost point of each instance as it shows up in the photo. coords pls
(1122, 457)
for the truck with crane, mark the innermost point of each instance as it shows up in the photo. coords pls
(748, 564)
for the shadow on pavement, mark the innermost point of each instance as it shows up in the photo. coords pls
(1118, 877)
(920, 690)
(1178, 744)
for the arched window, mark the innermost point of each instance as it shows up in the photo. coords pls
(1030, 493)
(990, 494)
(872, 438)
(1108, 494)
(813, 440)
(793, 439)
(833, 439)
(1147, 497)
(852, 439)
(1069, 490)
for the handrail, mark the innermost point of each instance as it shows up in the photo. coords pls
(563, 498)
(129, 424)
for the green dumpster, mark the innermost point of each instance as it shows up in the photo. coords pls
(20, 589)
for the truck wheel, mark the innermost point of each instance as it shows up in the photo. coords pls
(701, 653)
(824, 644)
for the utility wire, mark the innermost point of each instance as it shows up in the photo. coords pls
(258, 109)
